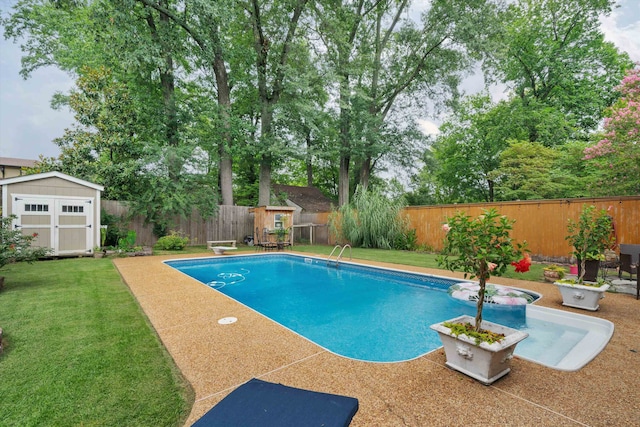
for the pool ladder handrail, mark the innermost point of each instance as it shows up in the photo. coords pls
(339, 254)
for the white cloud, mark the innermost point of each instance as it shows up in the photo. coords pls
(622, 28)
(428, 127)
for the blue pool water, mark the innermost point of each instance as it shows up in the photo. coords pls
(361, 312)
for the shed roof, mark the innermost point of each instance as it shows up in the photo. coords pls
(38, 176)
(310, 199)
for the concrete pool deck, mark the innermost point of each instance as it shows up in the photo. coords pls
(217, 358)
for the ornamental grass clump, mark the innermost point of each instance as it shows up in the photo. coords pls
(372, 220)
(481, 247)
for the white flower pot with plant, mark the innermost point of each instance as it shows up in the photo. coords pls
(582, 296)
(589, 236)
(486, 356)
(480, 247)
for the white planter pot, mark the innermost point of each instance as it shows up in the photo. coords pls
(580, 296)
(483, 362)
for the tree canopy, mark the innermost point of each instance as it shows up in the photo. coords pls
(191, 103)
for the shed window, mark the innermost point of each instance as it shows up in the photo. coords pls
(36, 208)
(72, 209)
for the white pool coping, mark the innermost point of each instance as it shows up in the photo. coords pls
(599, 333)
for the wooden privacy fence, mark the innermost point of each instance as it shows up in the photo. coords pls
(542, 223)
(231, 222)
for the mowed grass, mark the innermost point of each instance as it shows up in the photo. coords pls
(79, 351)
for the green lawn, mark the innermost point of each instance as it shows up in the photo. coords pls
(79, 351)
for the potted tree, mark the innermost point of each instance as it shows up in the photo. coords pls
(480, 247)
(589, 237)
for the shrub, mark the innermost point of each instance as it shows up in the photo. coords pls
(15, 246)
(128, 244)
(174, 241)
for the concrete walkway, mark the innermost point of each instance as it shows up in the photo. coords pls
(217, 358)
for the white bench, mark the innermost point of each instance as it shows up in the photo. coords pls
(212, 243)
(219, 250)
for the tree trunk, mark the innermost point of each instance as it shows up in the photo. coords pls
(482, 281)
(224, 101)
(365, 173)
(264, 193)
(309, 159)
(345, 145)
(343, 181)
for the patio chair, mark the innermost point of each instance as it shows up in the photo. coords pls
(629, 255)
(627, 264)
(611, 261)
(260, 242)
(265, 404)
(265, 243)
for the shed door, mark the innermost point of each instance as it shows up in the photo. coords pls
(74, 228)
(63, 224)
(35, 216)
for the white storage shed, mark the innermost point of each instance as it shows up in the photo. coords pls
(64, 211)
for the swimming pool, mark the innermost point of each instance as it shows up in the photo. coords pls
(361, 312)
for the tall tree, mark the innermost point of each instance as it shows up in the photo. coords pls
(274, 32)
(406, 59)
(201, 21)
(382, 61)
(468, 150)
(553, 53)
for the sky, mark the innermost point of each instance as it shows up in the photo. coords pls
(28, 124)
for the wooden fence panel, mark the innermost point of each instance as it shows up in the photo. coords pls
(543, 223)
(231, 222)
(320, 228)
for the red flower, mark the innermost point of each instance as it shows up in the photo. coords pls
(523, 265)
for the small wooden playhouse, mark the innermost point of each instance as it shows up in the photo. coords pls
(64, 211)
(269, 218)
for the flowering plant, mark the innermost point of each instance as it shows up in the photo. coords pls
(481, 247)
(617, 154)
(15, 246)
